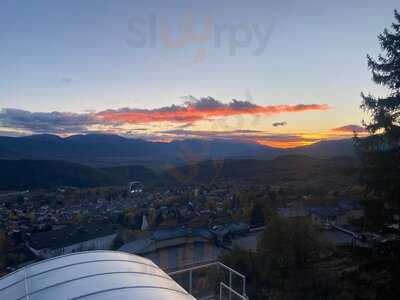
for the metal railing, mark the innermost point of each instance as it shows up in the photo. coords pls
(232, 294)
(209, 280)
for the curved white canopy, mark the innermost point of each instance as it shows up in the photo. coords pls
(92, 275)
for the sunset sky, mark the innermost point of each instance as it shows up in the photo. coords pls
(281, 73)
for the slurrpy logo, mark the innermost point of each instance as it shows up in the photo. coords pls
(200, 33)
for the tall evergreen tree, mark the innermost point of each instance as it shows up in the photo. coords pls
(380, 151)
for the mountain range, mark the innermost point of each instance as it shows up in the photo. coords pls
(45, 161)
(112, 150)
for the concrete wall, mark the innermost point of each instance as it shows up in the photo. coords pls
(184, 255)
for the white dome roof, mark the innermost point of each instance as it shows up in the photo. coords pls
(92, 275)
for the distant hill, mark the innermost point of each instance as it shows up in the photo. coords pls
(35, 174)
(31, 174)
(327, 149)
(125, 174)
(304, 171)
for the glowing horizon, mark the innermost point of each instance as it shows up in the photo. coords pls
(203, 118)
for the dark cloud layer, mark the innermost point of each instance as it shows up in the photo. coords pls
(350, 128)
(247, 135)
(43, 122)
(276, 124)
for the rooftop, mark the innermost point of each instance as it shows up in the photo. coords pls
(178, 232)
(70, 235)
(92, 275)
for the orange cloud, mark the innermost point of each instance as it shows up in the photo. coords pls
(200, 109)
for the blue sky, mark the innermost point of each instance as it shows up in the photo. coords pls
(74, 56)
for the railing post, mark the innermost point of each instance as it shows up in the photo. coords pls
(244, 286)
(230, 284)
(190, 281)
(219, 276)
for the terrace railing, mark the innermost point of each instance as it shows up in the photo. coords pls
(212, 281)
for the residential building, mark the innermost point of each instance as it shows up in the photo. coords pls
(73, 238)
